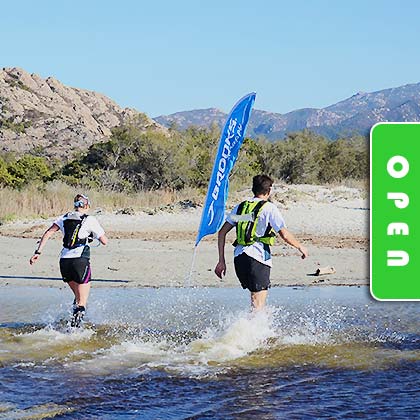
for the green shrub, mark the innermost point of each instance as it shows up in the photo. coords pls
(29, 169)
(6, 179)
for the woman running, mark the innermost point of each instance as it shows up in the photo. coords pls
(78, 229)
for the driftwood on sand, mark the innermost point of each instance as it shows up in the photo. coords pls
(322, 271)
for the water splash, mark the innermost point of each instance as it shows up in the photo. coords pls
(239, 334)
(190, 352)
(195, 333)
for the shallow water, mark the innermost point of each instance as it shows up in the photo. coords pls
(167, 353)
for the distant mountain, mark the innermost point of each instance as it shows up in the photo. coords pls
(355, 115)
(44, 113)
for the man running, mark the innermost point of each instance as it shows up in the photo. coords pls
(257, 221)
(78, 228)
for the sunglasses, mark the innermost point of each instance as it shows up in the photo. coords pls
(81, 203)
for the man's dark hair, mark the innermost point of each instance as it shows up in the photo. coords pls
(261, 184)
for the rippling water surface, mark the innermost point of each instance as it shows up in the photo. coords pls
(167, 353)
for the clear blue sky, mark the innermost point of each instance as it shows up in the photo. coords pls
(162, 57)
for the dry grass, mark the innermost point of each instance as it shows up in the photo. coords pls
(57, 197)
(363, 185)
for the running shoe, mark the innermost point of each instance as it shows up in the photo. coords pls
(77, 318)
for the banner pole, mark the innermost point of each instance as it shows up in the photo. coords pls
(188, 278)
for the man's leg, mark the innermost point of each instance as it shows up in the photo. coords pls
(258, 300)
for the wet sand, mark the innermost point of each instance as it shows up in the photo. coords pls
(156, 250)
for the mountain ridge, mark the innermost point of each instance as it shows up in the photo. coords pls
(353, 115)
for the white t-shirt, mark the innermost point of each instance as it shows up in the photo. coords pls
(270, 214)
(89, 226)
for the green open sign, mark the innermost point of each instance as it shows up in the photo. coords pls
(395, 211)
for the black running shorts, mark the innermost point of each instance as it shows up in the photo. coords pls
(252, 274)
(75, 269)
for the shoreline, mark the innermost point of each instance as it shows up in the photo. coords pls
(142, 263)
(156, 250)
(238, 286)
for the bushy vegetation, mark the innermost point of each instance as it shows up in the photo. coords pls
(307, 158)
(28, 169)
(134, 160)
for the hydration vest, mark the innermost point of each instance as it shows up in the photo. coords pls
(72, 224)
(246, 228)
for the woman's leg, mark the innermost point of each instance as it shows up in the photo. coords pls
(73, 287)
(81, 292)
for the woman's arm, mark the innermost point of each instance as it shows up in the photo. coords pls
(103, 239)
(47, 234)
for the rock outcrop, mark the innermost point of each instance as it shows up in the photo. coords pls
(57, 119)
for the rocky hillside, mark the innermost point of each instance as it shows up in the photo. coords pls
(47, 115)
(355, 115)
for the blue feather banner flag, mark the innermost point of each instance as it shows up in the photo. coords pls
(231, 140)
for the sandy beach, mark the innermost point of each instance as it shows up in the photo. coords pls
(155, 249)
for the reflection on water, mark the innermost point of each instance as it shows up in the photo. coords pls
(199, 353)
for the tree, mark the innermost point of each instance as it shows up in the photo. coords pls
(199, 147)
(298, 159)
(248, 163)
(6, 179)
(345, 158)
(29, 169)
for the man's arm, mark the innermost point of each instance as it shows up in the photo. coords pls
(220, 269)
(47, 234)
(289, 238)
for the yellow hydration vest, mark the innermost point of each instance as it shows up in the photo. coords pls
(246, 228)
